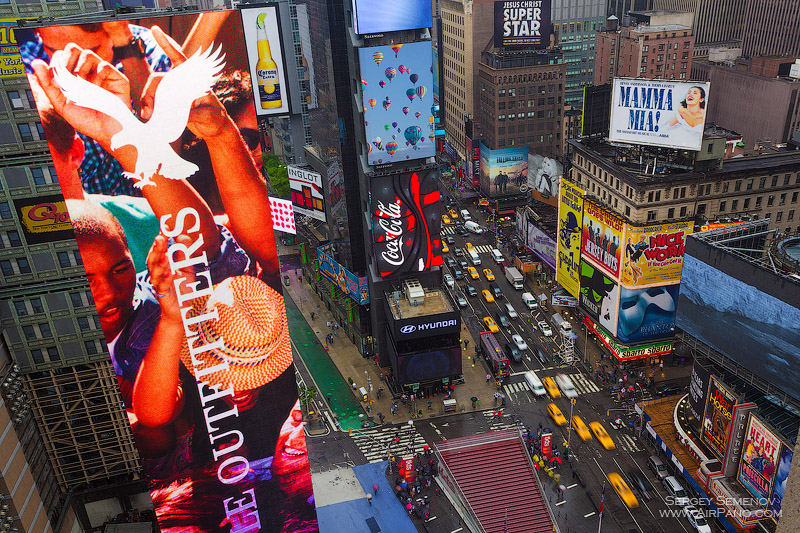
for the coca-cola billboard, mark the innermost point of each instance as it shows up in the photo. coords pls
(406, 219)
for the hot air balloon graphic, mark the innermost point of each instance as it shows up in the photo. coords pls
(394, 136)
(396, 48)
(377, 143)
(402, 69)
(421, 90)
(377, 57)
(390, 72)
(417, 114)
(411, 93)
(372, 102)
(413, 134)
(431, 119)
(392, 147)
(386, 127)
(432, 137)
(406, 110)
(363, 82)
(382, 84)
(387, 103)
(414, 78)
(394, 124)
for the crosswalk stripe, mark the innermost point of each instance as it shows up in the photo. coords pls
(374, 443)
(447, 230)
(584, 385)
(483, 248)
(628, 443)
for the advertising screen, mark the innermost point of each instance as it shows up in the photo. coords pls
(759, 460)
(355, 287)
(717, 417)
(44, 219)
(756, 329)
(406, 219)
(304, 29)
(779, 485)
(570, 216)
(307, 193)
(427, 326)
(542, 245)
(10, 60)
(504, 172)
(378, 16)
(262, 36)
(629, 353)
(646, 314)
(429, 366)
(396, 86)
(522, 23)
(601, 238)
(654, 254)
(543, 176)
(698, 389)
(199, 338)
(599, 296)
(659, 112)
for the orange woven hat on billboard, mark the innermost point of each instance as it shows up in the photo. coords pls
(253, 332)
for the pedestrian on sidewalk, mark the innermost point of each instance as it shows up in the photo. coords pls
(466, 343)
(312, 315)
(375, 488)
(488, 377)
(329, 323)
(369, 498)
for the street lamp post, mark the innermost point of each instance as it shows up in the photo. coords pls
(569, 428)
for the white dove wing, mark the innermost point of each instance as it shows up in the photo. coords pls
(179, 89)
(90, 96)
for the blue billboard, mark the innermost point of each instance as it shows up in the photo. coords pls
(375, 16)
(504, 172)
(354, 286)
(646, 314)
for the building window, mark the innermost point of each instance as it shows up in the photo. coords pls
(794, 197)
(6, 268)
(83, 323)
(25, 132)
(52, 354)
(791, 215)
(29, 332)
(683, 211)
(750, 184)
(651, 215)
(734, 205)
(91, 347)
(770, 200)
(75, 298)
(762, 182)
(36, 355)
(645, 48)
(5, 211)
(23, 265)
(682, 76)
(701, 209)
(782, 200)
(774, 181)
(738, 186)
(758, 202)
(627, 210)
(16, 101)
(63, 259)
(22, 309)
(722, 206)
(747, 203)
(643, 70)
(14, 240)
(778, 216)
(671, 213)
(786, 179)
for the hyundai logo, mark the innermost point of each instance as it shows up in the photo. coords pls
(408, 329)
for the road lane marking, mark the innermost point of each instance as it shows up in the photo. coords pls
(588, 515)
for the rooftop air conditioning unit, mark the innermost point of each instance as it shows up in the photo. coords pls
(413, 290)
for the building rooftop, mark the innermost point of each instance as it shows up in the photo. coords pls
(643, 28)
(435, 303)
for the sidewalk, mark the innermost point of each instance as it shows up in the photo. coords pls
(350, 363)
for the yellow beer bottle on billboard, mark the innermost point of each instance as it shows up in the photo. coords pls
(269, 86)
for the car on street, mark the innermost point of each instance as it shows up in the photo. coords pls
(668, 389)
(581, 429)
(539, 352)
(512, 314)
(462, 302)
(450, 262)
(513, 353)
(445, 219)
(463, 264)
(556, 415)
(450, 240)
(544, 327)
(641, 482)
(623, 490)
(503, 320)
(469, 247)
(495, 288)
(566, 386)
(453, 214)
(449, 281)
(458, 251)
(487, 296)
(550, 385)
(473, 273)
(490, 324)
(471, 291)
(602, 435)
(445, 248)
(458, 273)
(489, 274)
(520, 342)
(461, 230)
(696, 519)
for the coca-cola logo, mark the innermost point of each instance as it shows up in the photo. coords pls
(391, 223)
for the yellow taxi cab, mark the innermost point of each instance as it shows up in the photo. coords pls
(453, 214)
(622, 489)
(445, 248)
(469, 247)
(445, 219)
(551, 387)
(490, 324)
(555, 414)
(487, 296)
(473, 273)
(581, 429)
(488, 273)
(602, 435)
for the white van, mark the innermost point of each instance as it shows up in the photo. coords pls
(512, 313)
(565, 328)
(473, 257)
(533, 381)
(529, 300)
(473, 227)
(465, 215)
(674, 489)
(497, 256)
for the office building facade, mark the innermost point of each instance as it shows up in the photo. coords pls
(576, 25)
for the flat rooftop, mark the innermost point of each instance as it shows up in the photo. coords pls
(643, 28)
(435, 303)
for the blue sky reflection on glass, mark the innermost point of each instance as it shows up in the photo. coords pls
(375, 16)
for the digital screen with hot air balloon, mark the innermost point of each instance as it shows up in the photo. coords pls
(378, 16)
(396, 82)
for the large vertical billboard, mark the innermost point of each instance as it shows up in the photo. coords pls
(396, 83)
(504, 172)
(544, 174)
(307, 193)
(355, 287)
(717, 417)
(698, 390)
(654, 254)
(648, 313)
(664, 113)
(406, 220)
(262, 37)
(760, 458)
(522, 23)
(601, 238)
(378, 16)
(779, 485)
(199, 339)
(541, 244)
(10, 60)
(570, 216)
(599, 296)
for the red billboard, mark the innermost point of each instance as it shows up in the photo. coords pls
(198, 337)
(601, 238)
(547, 444)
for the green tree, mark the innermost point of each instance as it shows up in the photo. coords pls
(278, 175)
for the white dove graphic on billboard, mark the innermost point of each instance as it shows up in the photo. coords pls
(173, 100)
